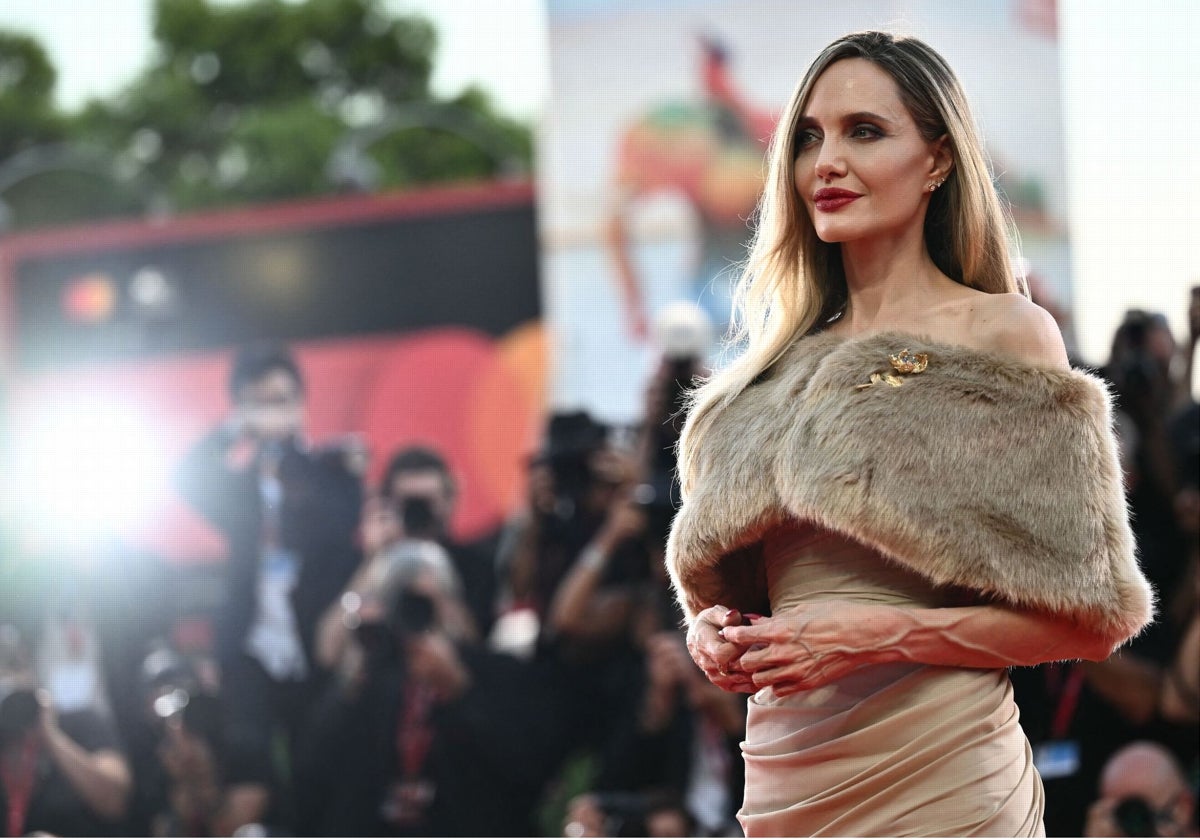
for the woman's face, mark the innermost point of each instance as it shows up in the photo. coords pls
(862, 168)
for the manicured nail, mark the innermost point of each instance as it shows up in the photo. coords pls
(721, 634)
(730, 614)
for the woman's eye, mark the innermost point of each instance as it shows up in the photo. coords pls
(867, 132)
(805, 139)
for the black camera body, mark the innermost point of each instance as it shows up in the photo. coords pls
(572, 441)
(1135, 818)
(417, 517)
(19, 712)
(408, 614)
(198, 712)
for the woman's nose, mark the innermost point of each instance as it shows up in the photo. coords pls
(829, 161)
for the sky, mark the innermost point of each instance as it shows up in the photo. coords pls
(1129, 91)
(98, 45)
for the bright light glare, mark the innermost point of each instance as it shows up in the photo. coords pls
(84, 471)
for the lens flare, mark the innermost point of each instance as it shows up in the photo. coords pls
(83, 472)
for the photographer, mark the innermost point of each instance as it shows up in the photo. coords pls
(176, 752)
(1139, 369)
(424, 494)
(586, 605)
(434, 737)
(573, 481)
(289, 516)
(1084, 712)
(674, 761)
(1143, 793)
(366, 599)
(61, 774)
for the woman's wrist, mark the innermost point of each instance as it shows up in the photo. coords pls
(888, 630)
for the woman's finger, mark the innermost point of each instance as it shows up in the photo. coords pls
(723, 659)
(748, 635)
(759, 657)
(780, 678)
(734, 681)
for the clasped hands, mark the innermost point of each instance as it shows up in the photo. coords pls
(799, 649)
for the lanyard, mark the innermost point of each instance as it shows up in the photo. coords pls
(1067, 694)
(19, 786)
(414, 735)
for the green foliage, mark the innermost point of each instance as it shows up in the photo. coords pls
(268, 153)
(251, 102)
(465, 137)
(269, 51)
(27, 80)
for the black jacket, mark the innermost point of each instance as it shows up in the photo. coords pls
(492, 752)
(319, 518)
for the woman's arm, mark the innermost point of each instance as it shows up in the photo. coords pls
(814, 644)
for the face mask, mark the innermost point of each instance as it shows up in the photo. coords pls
(72, 686)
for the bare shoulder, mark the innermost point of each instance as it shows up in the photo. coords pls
(1012, 324)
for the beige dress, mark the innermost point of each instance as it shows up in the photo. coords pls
(891, 750)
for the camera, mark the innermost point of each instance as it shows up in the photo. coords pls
(199, 713)
(1135, 818)
(19, 711)
(172, 687)
(572, 441)
(408, 614)
(657, 498)
(417, 517)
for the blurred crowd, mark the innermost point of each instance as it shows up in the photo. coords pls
(372, 675)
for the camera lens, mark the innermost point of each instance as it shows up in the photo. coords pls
(171, 702)
(414, 613)
(417, 517)
(1135, 818)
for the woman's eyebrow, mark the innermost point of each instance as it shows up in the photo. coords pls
(858, 116)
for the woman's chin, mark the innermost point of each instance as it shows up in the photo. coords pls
(833, 234)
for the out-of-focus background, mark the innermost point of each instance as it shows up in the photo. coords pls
(1116, 68)
(339, 342)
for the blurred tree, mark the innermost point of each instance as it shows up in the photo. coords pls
(271, 99)
(44, 178)
(27, 78)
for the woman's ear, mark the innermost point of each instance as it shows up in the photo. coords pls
(943, 158)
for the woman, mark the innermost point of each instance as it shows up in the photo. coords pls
(902, 471)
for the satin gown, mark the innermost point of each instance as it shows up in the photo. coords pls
(892, 750)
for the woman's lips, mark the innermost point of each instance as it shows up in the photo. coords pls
(828, 205)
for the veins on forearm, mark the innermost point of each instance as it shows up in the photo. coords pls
(981, 637)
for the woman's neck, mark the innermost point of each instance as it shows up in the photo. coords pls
(890, 281)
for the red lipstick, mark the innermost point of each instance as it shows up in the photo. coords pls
(829, 199)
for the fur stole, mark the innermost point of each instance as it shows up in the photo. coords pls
(981, 471)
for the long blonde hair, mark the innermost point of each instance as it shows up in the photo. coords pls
(792, 280)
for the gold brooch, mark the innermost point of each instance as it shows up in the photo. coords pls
(907, 362)
(903, 362)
